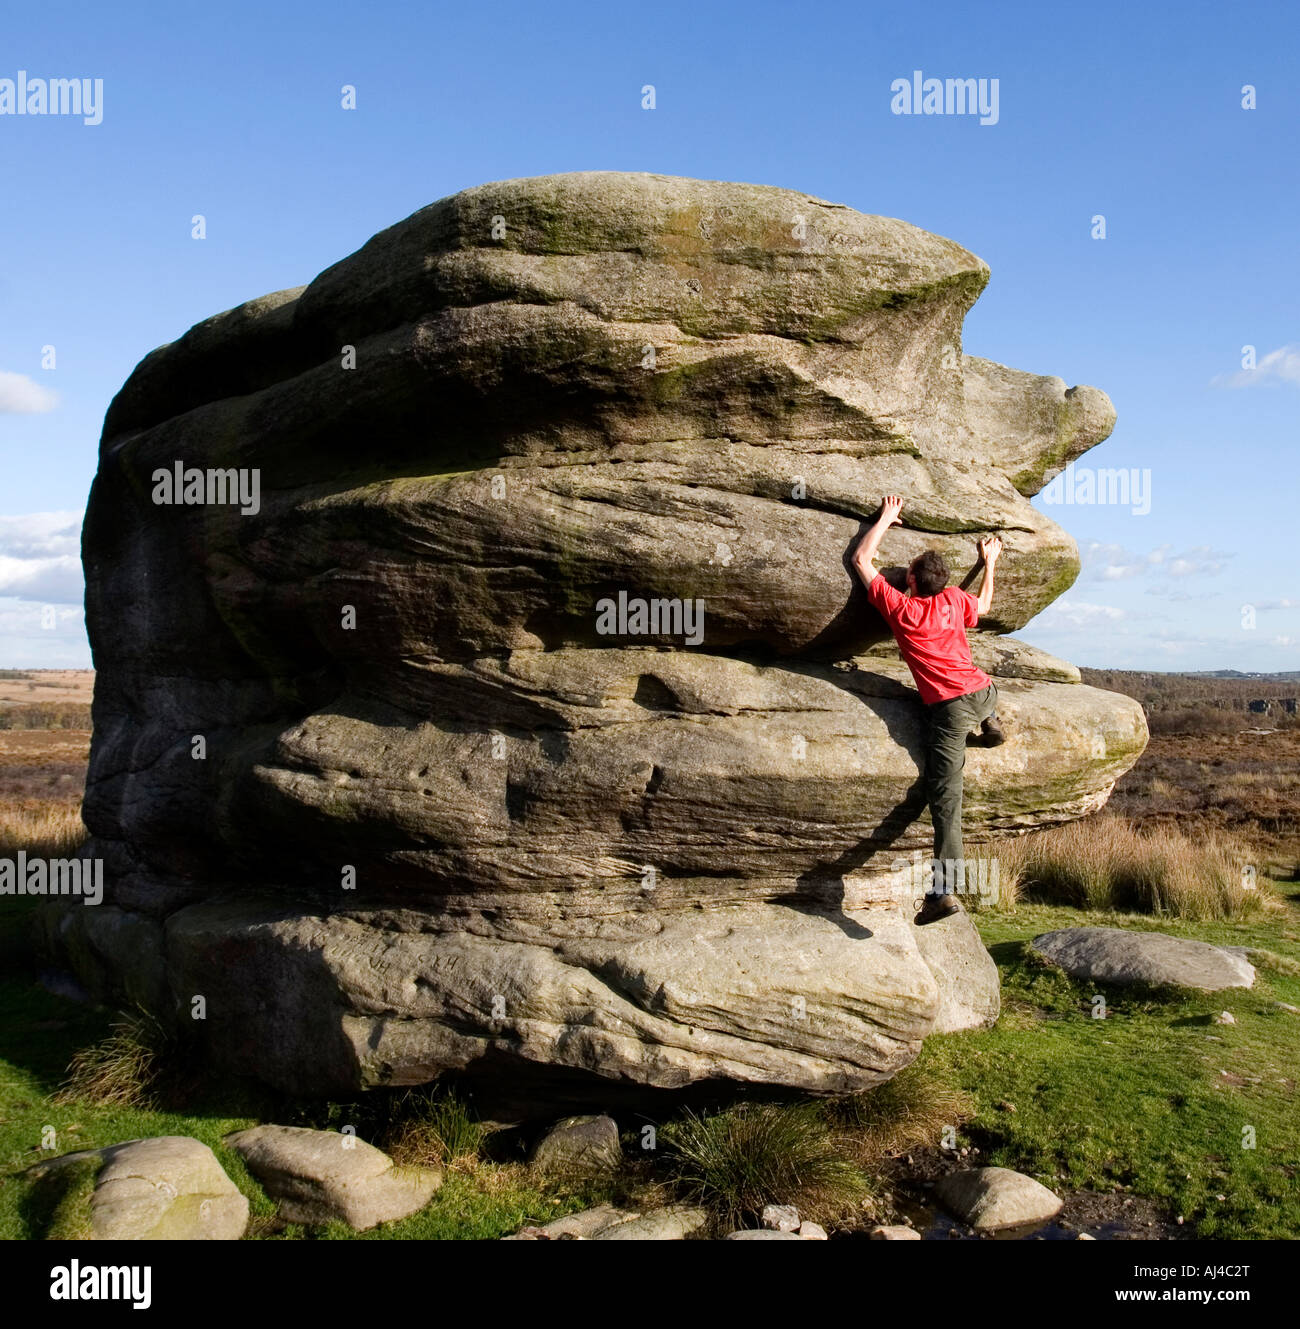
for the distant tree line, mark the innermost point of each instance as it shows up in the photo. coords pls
(46, 715)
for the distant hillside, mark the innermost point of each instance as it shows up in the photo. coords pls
(1222, 701)
(46, 698)
(1288, 676)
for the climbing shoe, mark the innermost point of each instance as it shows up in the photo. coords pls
(991, 734)
(935, 907)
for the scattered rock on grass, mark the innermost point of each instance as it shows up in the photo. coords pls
(580, 1144)
(1116, 955)
(166, 1188)
(992, 1198)
(576, 1227)
(322, 1176)
(782, 1217)
(894, 1232)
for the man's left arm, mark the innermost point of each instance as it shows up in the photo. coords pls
(890, 508)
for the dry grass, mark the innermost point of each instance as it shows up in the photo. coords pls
(44, 830)
(122, 1070)
(1103, 862)
(906, 1113)
(736, 1161)
(435, 1130)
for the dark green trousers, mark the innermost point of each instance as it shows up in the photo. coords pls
(947, 725)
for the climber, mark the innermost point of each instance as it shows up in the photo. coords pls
(929, 623)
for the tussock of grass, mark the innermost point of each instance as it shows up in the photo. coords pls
(738, 1160)
(50, 830)
(123, 1070)
(908, 1112)
(1104, 863)
(435, 1129)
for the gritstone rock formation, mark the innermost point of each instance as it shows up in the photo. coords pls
(450, 809)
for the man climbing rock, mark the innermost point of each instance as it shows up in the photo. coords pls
(929, 623)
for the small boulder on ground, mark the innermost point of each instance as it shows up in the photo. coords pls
(894, 1232)
(166, 1188)
(1116, 955)
(782, 1217)
(580, 1144)
(323, 1176)
(992, 1198)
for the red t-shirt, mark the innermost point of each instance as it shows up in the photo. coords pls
(931, 636)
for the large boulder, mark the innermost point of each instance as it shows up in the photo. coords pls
(387, 765)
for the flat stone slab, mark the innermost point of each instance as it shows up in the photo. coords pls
(673, 1224)
(1116, 955)
(581, 1226)
(762, 1234)
(323, 1176)
(165, 1188)
(992, 1198)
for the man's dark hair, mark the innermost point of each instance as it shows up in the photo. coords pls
(930, 571)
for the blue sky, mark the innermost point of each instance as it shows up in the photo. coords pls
(1130, 111)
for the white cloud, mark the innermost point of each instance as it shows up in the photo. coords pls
(32, 638)
(40, 557)
(1280, 366)
(1079, 614)
(1109, 563)
(20, 395)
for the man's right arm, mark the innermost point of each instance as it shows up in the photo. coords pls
(864, 555)
(990, 550)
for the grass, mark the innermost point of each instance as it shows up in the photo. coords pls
(911, 1111)
(1105, 863)
(1155, 1099)
(47, 830)
(435, 1130)
(738, 1160)
(123, 1069)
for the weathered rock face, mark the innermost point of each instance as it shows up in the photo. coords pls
(452, 811)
